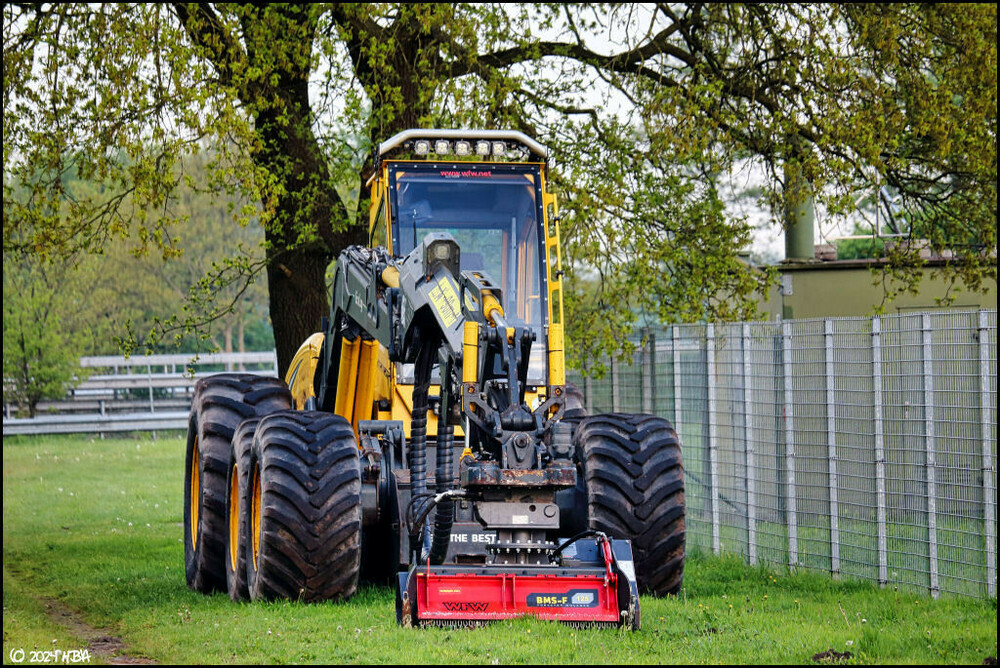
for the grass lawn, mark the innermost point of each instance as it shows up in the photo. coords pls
(93, 527)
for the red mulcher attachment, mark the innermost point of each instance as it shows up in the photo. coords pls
(591, 582)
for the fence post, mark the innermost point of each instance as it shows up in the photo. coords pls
(713, 455)
(791, 519)
(649, 372)
(149, 379)
(675, 352)
(928, 364)
(614, 385)
(748, 442)
(883, 557)
(989, 493)
(588, 394)
(831, 439)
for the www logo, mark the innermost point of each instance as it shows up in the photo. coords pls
(477, 606)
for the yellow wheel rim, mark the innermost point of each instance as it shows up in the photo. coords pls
(255, 515)
(234, 517)
(195, 494)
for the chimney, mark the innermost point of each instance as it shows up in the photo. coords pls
(799, 215)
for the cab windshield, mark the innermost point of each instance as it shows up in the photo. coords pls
(492, 212)
(492, 217)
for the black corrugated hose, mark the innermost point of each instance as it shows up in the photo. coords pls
(444, 514)
(422, 542)
(425, 543)
(419, 495)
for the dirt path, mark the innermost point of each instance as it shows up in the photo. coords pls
(100, 642)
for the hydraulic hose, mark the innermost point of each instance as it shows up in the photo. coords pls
(419, 495)
(427, 544)
(580, 536)
(444, 514)
(438, 498)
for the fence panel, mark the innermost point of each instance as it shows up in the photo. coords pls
(854, 432)
(863, 447)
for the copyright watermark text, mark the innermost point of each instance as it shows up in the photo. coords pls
(19, 655)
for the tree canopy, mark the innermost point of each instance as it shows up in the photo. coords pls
(38, 360)
(57, 309)
(645, 107)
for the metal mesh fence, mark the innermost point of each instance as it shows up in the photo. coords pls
(859, 446)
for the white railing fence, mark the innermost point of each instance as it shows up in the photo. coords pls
(142, 393)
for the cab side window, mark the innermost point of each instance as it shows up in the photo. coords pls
(378, 236)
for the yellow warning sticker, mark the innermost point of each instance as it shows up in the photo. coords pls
(444, 297)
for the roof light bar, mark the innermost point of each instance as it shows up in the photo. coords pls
(498, 143)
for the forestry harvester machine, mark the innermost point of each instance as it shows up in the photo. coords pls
(427, 435)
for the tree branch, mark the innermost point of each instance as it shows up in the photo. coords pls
(206, 30)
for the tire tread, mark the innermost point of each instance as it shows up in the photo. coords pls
(220, 403)
(310, 546)
(635, 488)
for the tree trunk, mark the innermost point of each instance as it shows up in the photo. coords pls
(297, 300)
(310, 224)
